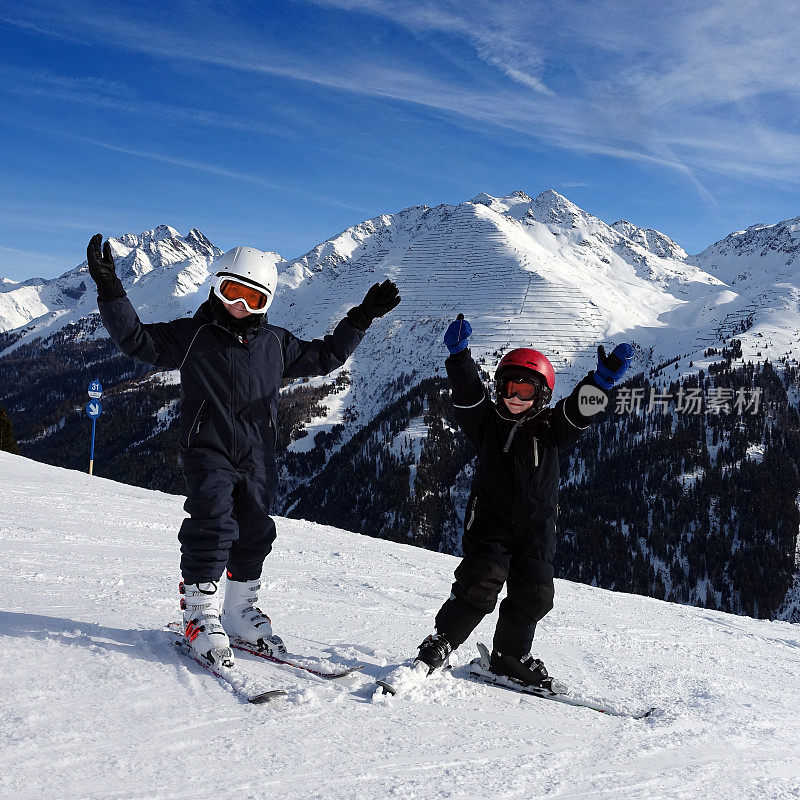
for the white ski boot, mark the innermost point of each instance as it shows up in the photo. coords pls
(242, 619)
(201, 626)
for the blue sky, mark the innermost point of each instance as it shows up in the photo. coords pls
(278, 124)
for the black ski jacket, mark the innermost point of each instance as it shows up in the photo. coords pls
(513, 504)
(229, 381)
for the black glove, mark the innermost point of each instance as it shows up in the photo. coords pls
(380, 299)
(101, 268)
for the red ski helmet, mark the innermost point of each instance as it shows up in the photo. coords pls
(526, 359)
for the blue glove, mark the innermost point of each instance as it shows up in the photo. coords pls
(610, 368)
(456, 337)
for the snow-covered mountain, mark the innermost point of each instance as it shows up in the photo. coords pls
(525, 271)
(760, 250)
(162, 271)
(541, 272)
(761, 266)
(96, 703)
(653, 241)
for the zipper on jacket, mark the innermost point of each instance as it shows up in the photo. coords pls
(511, 436)
(472, 513)
(535, 453)
(196, 423)
(233, 403)
(273, 428)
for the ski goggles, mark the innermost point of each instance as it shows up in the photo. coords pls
(230, 291)
(525, 389)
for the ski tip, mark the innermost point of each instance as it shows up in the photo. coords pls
(349, 671)
(266, 697)
(387, 687)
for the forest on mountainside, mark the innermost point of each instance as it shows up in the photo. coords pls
(696, 508)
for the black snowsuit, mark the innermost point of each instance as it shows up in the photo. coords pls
(510, 522)
(230, 379)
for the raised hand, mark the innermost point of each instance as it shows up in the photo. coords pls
(102, 270)
(379, 300)
(611, 367)
(456, 338)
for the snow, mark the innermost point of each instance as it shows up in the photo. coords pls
(166, 413)
(49, 430)
(540, 272)
(409, 441)
(95, 703)
(170, 378)
(408, 444)
(334, 405)
(688, 479)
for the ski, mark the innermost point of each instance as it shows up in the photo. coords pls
(479, 671)
(247, 647)
(230, 676)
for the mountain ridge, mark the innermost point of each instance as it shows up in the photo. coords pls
(538, 272)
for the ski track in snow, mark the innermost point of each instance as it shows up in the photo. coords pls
(95, 703)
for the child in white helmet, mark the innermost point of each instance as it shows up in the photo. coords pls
(232, 363)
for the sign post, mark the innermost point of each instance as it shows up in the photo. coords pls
(93, 411)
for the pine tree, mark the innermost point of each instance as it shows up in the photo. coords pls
(7, 440)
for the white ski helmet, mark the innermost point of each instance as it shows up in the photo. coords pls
(248, 267)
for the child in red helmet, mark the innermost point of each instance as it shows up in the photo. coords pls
(509, 530)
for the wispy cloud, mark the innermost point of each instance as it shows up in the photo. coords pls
(32, 253)
(637, 90)
(213, 169)
(99, 93)
(699, 89)
(499, 33)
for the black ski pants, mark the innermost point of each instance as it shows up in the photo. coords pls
(229, 524)
(478, 580)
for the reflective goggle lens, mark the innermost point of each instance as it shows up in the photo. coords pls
(524, 390)
(233, 291)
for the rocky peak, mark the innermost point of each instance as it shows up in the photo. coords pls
(652, 240)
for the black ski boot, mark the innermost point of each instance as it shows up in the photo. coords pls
(434, 652)
(527, 670)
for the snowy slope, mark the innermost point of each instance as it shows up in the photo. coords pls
(654, 241)
(762, 265)
(760, 250)
(525, 271)
(94, 703)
